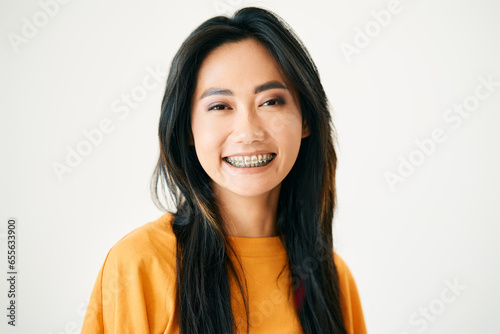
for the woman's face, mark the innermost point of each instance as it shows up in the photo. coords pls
(242, 110)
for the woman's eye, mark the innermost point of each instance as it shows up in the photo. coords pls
(273, 102)
(217, 107)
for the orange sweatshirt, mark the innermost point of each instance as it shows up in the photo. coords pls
(135, 288)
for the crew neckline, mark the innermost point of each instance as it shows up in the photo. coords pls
(258, 247)
(247, 246)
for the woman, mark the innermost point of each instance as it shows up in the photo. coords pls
(247, 156)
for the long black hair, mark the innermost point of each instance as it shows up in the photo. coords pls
(307, 197)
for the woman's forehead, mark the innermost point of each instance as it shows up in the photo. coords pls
(239, 67)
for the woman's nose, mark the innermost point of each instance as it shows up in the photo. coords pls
(248, 126)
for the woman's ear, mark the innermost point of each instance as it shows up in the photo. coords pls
(305, 129)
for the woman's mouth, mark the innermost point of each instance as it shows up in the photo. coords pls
(247, 161)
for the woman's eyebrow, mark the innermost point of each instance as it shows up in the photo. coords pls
(258, 89)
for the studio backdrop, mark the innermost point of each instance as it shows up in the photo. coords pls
(414, 89)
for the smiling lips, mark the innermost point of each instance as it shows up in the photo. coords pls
(246, 161)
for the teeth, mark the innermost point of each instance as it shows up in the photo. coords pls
(250, 161)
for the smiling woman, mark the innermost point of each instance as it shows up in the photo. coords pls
(258, 118)
(247, 155)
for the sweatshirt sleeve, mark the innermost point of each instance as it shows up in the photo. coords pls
(350, 301)
(117, 303)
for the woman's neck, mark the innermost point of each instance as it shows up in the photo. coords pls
(250, 217)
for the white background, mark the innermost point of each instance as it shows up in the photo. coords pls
(441, 224)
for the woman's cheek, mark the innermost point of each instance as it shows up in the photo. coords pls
(285, 123)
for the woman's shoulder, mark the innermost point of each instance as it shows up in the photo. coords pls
(342, 268)
(152, 239)
(346, 279)
(350, 301)
(134, 288)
